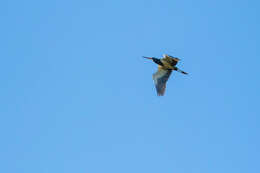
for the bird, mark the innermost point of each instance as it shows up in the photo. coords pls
(165, 67)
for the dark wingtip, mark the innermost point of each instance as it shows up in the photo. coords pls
(160, 93)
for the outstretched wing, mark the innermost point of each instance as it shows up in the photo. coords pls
(160, 78)
(169, 59)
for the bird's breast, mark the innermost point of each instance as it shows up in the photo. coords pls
(167, 65)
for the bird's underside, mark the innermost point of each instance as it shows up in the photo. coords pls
(169, 61)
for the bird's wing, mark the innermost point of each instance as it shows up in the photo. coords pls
(160, 78)
(169, 59)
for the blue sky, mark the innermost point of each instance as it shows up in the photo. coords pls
(77, 96)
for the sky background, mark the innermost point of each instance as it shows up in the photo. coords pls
(77, 96)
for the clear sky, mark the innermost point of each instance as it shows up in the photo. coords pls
(77, 96)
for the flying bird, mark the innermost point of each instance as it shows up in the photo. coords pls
(165, 67)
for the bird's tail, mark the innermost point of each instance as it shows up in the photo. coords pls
(183, 72)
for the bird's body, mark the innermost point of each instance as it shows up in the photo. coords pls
(165, 67)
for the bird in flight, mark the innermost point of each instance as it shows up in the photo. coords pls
(165, 67)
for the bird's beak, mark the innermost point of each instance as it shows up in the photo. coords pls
(147, 57)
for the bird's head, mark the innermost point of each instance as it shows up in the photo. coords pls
(156, 60)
